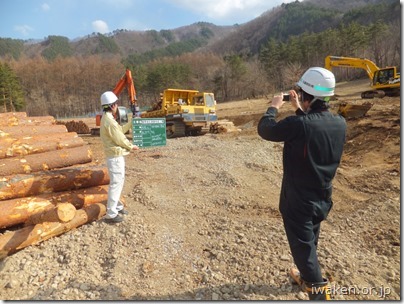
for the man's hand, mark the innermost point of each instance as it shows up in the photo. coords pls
(277, 101)
(294, 100)
(135, 148)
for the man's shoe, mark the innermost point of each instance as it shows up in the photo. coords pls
(116, 219)
(123, 211)
(295, 275)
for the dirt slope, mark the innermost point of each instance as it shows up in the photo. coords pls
(204, 221)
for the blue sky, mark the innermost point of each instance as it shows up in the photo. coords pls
(37, 19)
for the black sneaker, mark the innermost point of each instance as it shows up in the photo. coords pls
(123, 211)
(116, 219)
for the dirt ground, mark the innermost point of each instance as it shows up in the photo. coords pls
(204, 221)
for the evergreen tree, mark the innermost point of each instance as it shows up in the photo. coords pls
(57, 46)
(11, 93)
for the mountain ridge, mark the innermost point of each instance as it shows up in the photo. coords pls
(245, 38)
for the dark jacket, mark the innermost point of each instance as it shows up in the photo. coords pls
(313, 145)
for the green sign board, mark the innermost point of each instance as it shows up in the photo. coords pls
(149, 132)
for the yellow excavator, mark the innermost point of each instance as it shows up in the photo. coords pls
(384, 81)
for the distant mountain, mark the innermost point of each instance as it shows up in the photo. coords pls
(306, 16)
(138, 42)
(347, 5)
(280, 23)
(119, 42)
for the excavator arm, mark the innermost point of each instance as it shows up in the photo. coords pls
(121, 115)
(335, 61)
(126, 81)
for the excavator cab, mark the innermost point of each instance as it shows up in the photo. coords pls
(124, 118)
(386, 76)
(387, 81)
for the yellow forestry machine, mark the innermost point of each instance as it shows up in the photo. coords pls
(384, 82)
(186, 112)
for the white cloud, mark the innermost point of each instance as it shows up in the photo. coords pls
(100, 26)
(23, 29)
(227, 9)
(45, 7)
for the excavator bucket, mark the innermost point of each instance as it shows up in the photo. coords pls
(354, 111)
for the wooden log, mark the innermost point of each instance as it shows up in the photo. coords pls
(46, 161)
(83, 197)
(62, 212)
(7, 115)
(10, 139)
(18, 211)
(39, 144)
(31, 130)
(80, 127)
(222, 126)
(24, 185)
(27, 121)
(13, 241)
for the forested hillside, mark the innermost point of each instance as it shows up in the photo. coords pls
(65, 78)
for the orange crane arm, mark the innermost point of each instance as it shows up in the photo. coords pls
(126, 81)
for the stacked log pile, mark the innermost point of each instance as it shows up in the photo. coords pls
(48, 184)
(80, 127)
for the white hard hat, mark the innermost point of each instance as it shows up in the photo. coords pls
(108, 98)
(318, 82)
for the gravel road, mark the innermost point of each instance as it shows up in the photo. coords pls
(204, 225)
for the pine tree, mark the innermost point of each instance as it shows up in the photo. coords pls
(11, 93)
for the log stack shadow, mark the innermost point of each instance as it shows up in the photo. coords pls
(48, 184)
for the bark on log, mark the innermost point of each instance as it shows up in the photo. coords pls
(27, 121)
(80, 127)
(22, 138)
(39, 144)
(46, 161)
(32, 130)
(13, 241)
(18, 211)
(83, 197)
(222, 126)
(25, 185)
(13, 114)
(62, 212)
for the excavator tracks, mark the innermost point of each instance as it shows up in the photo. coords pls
(175, 128)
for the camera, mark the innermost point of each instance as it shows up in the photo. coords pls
(286, 97)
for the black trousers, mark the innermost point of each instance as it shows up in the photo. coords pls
(303, 209)
(303, 238)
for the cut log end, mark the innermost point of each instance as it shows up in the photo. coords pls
(63, 212)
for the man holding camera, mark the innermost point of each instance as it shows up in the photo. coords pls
(313, 145)
(116, 146)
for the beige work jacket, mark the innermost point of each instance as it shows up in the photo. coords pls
(112, 136)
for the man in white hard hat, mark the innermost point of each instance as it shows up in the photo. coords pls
(313, 144)
(116, 146)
